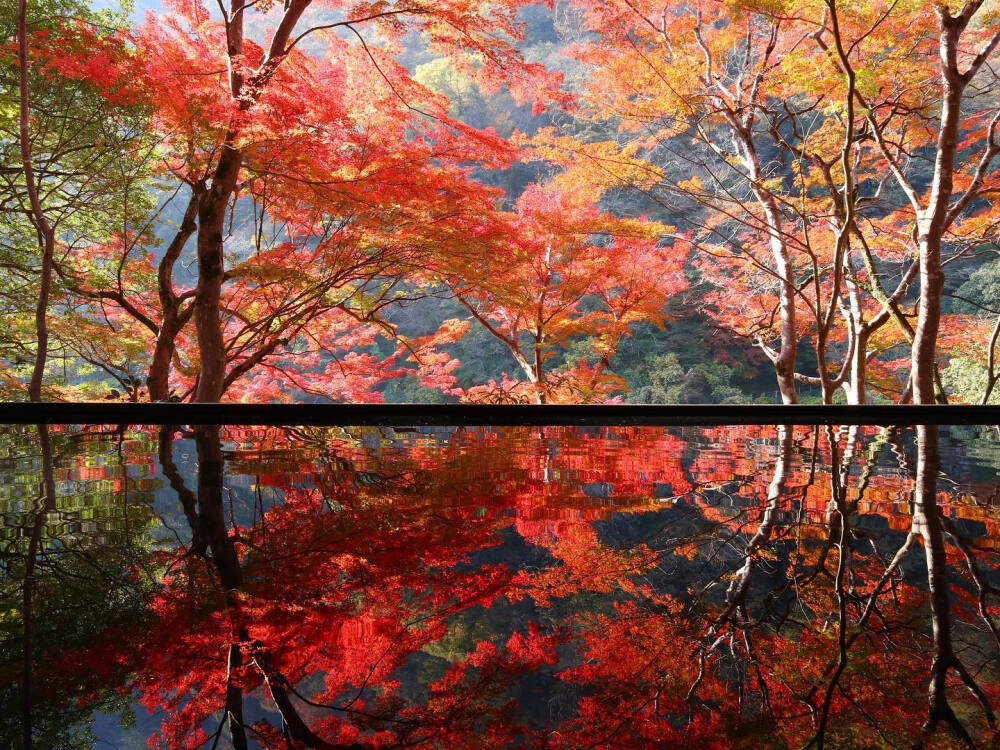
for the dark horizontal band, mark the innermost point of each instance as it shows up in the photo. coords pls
(487, 414)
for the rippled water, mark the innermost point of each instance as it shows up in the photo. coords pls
(754, 586)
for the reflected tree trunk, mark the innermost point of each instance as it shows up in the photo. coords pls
(838, 518)
(187, 499)
(206, 512)
(736, 596)
(927, 522)
(213, 532)
(45, 504)
(734, 613)
(211, 510)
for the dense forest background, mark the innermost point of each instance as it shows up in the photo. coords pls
(419, 329)
(685, 360)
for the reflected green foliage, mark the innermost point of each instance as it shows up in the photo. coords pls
(78, 550)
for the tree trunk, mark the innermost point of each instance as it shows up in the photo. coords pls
(171, 321)
(855, 386)
(927, 523)
(46, 233)
(784, 363)
(211, 272)
(41, 318)
(934, 221)
(245, 91)
(158, 379)
(541, 387)
(212, 218)
(532, 370)
(923, 364)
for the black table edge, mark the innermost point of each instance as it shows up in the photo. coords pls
(487, 414)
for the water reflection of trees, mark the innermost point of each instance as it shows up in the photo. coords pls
(627, 586)
(75, 570)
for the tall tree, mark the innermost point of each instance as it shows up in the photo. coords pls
(39, 220)
(78, 136)
(268, 125)
(566, 272)
(794, 113)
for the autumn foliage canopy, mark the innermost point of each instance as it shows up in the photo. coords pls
(293, 206)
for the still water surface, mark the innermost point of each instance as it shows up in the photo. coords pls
(760, 586)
